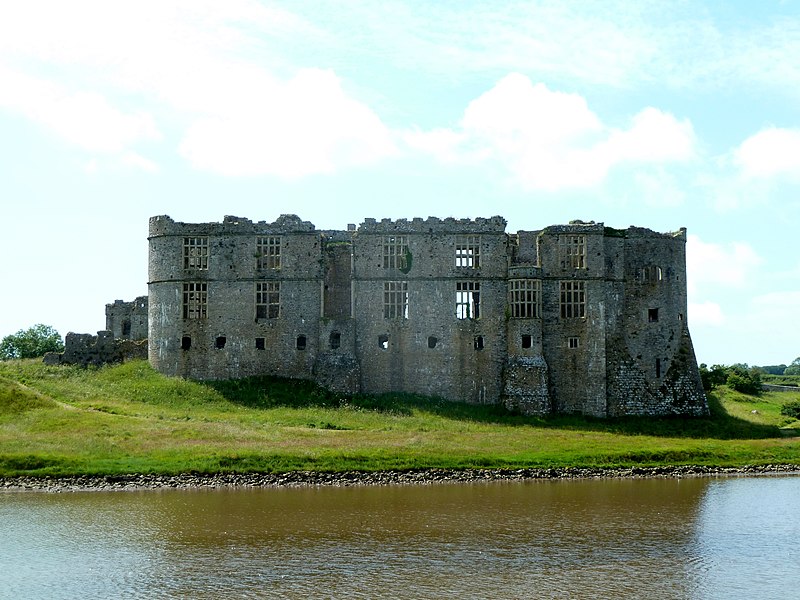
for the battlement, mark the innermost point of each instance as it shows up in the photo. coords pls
(494, 224)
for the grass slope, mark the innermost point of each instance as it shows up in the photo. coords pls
(129, 419)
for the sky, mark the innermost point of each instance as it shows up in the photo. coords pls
(655, 114)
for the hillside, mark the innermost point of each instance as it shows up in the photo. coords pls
(129, 419)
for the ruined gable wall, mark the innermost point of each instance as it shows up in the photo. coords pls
(127, 320)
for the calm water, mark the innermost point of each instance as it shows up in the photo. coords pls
(693, 538)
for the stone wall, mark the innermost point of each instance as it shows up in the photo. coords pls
(127, 320)
(85, 349)
(383, 308)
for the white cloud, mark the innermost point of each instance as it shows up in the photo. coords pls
(203, 65)
(85, 119)
(658, 188)
(306, 126)
(705, 313)
(718, 264)
(770, 153)
(550, 140)
(138, 162)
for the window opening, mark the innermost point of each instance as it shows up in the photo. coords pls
(468, 251)
(395, 252)
(335, 340)
(301, 342)
(652, 274)
(573, 343)
(126, 328)
(432, 341)
(524, 298)
(468, 295)
(527, 341)
(658, 367)
(573, 300)
(186, 342)
(219, 343)
(268, 299)
(268, 252)
(652, 315)
(195, 300)
(478, 342)
(572, 249)
(395, 299)
(195, 253)
(260, 344)
(383, 341)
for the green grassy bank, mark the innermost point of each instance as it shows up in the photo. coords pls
(129, 419)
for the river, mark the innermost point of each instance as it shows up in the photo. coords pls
(733, 537)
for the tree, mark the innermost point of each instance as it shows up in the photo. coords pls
(31, 343)
(794, 368)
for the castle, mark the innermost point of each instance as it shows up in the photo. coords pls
(577, 318)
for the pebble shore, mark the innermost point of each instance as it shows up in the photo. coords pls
(353, 478)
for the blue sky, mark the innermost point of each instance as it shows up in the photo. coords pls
(657, 114)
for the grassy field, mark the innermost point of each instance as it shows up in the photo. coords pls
(129, 419)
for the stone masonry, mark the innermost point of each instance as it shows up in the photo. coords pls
(577, 318)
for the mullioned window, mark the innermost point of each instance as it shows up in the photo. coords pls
(572, 249)
(524, 298)
(573, 300)
(468, 251)
(195, 253)
(268, 300)
(395, 300)
(468, 299)
(268, 253)
(195, 300)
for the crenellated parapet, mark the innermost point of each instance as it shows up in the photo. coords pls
(494, 224)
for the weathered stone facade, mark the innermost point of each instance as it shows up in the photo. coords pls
(577, 318)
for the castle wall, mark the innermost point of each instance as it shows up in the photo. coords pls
(231, 339)
(428, 349)
(576, 318)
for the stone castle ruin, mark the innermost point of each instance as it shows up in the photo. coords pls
(577, 318)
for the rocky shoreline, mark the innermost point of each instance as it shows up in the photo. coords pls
(191, 481)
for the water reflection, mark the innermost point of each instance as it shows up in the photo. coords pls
(632, 539)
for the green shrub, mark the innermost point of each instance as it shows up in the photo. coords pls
(791, 409)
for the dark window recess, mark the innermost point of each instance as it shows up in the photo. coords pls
(186, 342)
(126, 328)
(335, 339)
(652, 315)
(479, 342)
(383, 341)
(432, 341)
(573, 343)
(658, 367)
(219, 343)
(527, 341)
(260, 344)
(301, 342)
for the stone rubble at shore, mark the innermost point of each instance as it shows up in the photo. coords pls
(190, 481)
